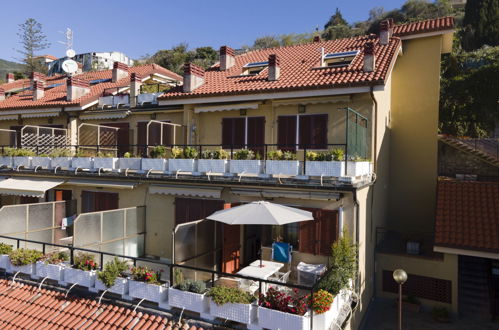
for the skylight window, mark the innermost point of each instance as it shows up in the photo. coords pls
(53, 85)
(339, 59)
(254, 67)
(98, 81)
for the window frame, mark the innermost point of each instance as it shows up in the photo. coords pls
(298, 143)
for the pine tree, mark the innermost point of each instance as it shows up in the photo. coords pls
(32, 41)
(480, 24)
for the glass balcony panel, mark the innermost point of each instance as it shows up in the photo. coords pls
(40, 216)
(113, 225)
(13, 219)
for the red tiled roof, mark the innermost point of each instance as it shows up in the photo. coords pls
(430, 25)
(56, 96)
(23, 306)
(298, 69)
(467, 215)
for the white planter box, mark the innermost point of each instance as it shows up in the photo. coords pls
(153, 164)
(325, 168)
(358, 168)
(53, 271)
(4, 261)
(82, 162)
(107, 163)
(5, 161)
(43, 162)
(61, 162)
(246, 166)
(284, 167)
(26, 269)
(129, 163)
(242, 313)
(212, 165)
(183, 165)
(193, 302)
(120, 286)
(150, 292)
(81, 277)
(22, 161)
(273, 319)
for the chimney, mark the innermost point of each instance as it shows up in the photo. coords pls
(317, 39)
(9, 77)
(227, 59)
(120, 71)
(274, 69)
(76, 88)
(2, 94)
(37, 76)
(135, 83)
(193, 77)
(385, 31)
(369, 59)
(38, 89)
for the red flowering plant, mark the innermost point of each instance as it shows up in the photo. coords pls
(322, 301)
(281, 301)
(144, 274)
(85, 261)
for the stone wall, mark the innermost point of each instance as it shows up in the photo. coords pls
(453, 161)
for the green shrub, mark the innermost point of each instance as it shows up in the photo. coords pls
(127, 155)
(85, 153)
(192, 286)
(21, 257)
(178, 276)
(244, 154)
(158, 152)
(215, 154)
(85, 261)
(112, 270)
(18, 152)
(61, 152)
(280, 155)
(338, 154)
(55, 257)
(321, 156)
(222, 295)
(106, 154)
(145, 274)
(5, 249)
(190, 153)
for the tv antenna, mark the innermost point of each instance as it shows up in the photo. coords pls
(68, 43)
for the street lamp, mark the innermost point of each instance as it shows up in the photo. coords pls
(400, 276)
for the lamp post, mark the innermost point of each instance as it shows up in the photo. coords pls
(400, 276)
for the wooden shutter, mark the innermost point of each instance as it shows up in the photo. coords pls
(106, 201)
(181, 210)
(141, 137)
(233, 132)
(313, 131)
(192, 209)
(286, 132)
(328, 230)
(305, 137)
(308, 236)
(256, 134)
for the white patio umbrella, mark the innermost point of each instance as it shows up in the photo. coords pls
(261, 213)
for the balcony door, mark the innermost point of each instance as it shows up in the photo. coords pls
(96, 201)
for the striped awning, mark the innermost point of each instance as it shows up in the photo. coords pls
(193, 191)
(32, 187)
(94, 115)
(227, 107)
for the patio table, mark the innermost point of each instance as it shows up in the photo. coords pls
(254, 270)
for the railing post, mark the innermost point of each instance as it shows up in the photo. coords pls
(71, 255)
(171, 276)
(43, 248)
(101, 260)
(304, 160)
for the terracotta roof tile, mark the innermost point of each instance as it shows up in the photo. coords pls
(430, 25)
(467, 215)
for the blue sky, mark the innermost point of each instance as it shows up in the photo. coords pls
(140, 27)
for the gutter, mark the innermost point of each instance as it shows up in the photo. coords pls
(375, 135)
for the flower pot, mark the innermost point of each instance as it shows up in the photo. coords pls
(53, 271)
(183, 165)
(4, 261)
(242, 313)
(194, 302)
(129, 163)
(274, 319)
(5, 161)
(120, 286)
(85, 163)
(282, 167)
(150, 292)
(212, 165)
(108, 163)
(24, 269)
(81, 277)
(61, 162)
(325, 168)
(246, 166)
(22, 161)
(42, 162)
(153, 164)
(358, 168)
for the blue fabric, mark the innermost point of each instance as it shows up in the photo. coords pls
(281, 252)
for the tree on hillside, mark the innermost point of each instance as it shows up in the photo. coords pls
(266, 42)
(32, 41)
(174, 59)
(337, 27)
(335, 20)
(480, 24)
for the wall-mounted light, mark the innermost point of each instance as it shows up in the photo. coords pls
(302, 108)
(242, 112)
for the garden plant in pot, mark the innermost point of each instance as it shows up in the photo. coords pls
(281, 163)
(232, 303)
(157, 162)
(245, 161)
(189, 295)
(5, 250)
(183, 159)
(61, 158)
(23, 260)
(145, 284)
(129, 162)
(113, 277)
(52, 265)
(325, 163)
(214, 161)
(83, 272)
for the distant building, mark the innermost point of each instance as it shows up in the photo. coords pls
(91, 62)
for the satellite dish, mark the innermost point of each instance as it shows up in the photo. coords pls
(69, 66)
(70, 53)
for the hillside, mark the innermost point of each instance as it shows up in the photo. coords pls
(8, 66)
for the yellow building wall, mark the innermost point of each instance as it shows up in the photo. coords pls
(414, 124)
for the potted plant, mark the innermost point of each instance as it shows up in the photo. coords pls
(357, 166)
(83, 159)
(113, 277)
(40, 161)
(83, 271)
(214, 161)
(157, 162)
(326, 163)
(6, 157)
(145, 285)
(128, 162)
(23, 260)
(5, 250)
(232, 303)
(52, 265)
(105, 160)
(244, 161)
(20, 157)
(61, 158)
(281, 163)
(183, 159)
(189, 295)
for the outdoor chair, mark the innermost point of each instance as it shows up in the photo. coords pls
(281, 252)
(249, 286)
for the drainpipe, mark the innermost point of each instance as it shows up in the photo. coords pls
(375, 137)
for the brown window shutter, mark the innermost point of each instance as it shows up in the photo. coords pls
(256, 133)
(319, 131)
(233, 132)
(307, 237)
(286, 132)
(328, 230)
(141, 137)
(305, 137)
(181, 210)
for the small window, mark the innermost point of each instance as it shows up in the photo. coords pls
(254, 68)
(339, 59)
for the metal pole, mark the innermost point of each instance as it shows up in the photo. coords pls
(400, 306)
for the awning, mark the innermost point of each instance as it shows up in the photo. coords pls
(105, 115)
(315, 195)
(40, 115)
(9, 117)
(103, 184)
(27, 187)
(185, 191)
(227, 107)
(333, 99)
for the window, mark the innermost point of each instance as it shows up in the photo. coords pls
(192, 209)
(92, 201)
(254, 68)
(238, 132)
(339, 59)
(306, 131)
